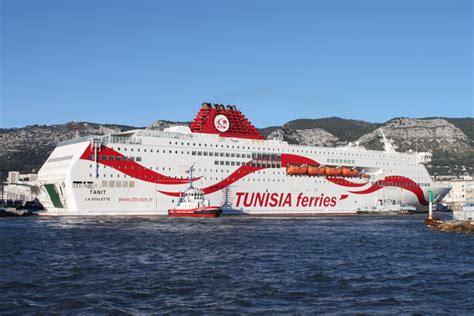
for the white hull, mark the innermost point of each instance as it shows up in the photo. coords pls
(78, 180)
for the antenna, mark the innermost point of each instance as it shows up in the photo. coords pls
(190, 171)
(227, 198)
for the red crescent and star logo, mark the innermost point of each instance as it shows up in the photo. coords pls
(221, 123)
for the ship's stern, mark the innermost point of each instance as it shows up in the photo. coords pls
(54, 177)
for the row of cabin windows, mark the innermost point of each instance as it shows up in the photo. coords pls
(331, 160)
(216, 154)
(403, 184)
(248, 179)
(259, 164)
(265, 156)
(273, 149)
(205, 170)
(63, 158)
(157, 177)
(254, 156)
(151, 150)
(113, 158)
(205, 145)
(133, 167)
(138, 149)
(118, 184)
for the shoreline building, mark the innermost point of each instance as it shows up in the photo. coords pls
(461, 190)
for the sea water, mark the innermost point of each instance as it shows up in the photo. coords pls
(231, 265)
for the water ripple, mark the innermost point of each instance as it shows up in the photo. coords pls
(233, 265)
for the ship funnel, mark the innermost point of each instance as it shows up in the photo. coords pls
(235, 124)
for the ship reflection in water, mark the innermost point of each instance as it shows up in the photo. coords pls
(233, 265)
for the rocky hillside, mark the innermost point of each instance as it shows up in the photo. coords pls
(25, 149)
(310, 136)
(453, 150)
(428, 134)
(451, 140)
(161, 125)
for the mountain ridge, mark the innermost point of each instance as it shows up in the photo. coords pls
(450, 139)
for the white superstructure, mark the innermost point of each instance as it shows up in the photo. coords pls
(142, 172)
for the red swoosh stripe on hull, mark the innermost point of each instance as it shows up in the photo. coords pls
(344, 196)
(399, 182)
(246, 170)
(296, 159)
(131, 168)
(346, 183)
(235, 176)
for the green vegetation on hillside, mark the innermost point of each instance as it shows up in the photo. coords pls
(345, 130)
(465, 124)
(268, 130)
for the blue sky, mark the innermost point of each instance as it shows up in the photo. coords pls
(132, 62)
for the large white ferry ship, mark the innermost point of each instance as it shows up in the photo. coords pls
(142, 172)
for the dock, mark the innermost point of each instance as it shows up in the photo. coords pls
(12, 212)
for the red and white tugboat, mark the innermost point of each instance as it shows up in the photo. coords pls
(193, 203)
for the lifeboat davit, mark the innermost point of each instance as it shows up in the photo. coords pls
(296, 170)
(333, 171)
(315, 170)
(347, 172)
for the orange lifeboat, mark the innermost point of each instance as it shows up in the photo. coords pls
(365, 176)
(347, 172)
(315, 170)
(333, 171)
(296, 170)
